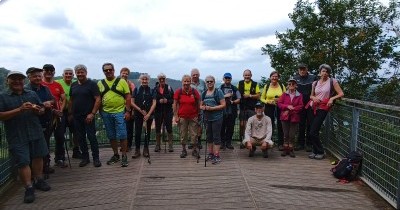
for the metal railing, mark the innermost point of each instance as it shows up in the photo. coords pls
(374, 130)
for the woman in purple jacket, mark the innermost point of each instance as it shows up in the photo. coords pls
(290, 103)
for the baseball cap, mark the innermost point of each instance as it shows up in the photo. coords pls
(291, 79)
(229, 75)
(33, 69)
(49, 67)
(302, 65)
(15, 73)
(259, 104)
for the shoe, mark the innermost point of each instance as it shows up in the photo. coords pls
(280, 148)
(291, 153)
(242, 146)
(283, 154)
(312, 155)
(252, 151)
(308, 148)
(222, 147)
(230, 146)
(84, 162)
(61, 164)
(216, 160)
(29, 195)
(137, 154)
(183, 154)
(146, 152)
(124, 161)
(265, 153)
(170, 148)
(157, 148)
(96, 163)
(48, 170)
(299, 147)
(76, 154)
(42, 185)
(190, 146)
(210, 156)
(113, 159)
(195, 153)
(319, 156)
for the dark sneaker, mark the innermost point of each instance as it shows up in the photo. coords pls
(242, 146)
(308, 148)
(312, 155)
(183, 154)
(299, 147)
(210, 156)
(252, 151)
(291, 154)
(195, 153)
(170, 148)
(319, 156)
(29, 195)
(61, 164)
(230, 146)
(284, 152)
(137, 154)
(124, 161)
(84, 162)
(216, 160)
(157, 148)
(42, 185)
(265, 153)
(96, 163)
(146, 152)
(113, 159)
(190, 146)
(76, 154)
(281, 148)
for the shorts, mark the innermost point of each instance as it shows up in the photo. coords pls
(115, 125)
(24, 152)
(246, 114)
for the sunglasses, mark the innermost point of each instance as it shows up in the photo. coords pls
(48, 70)
(210, 81)
(108, 70)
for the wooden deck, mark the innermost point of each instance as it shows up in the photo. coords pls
(169, 182)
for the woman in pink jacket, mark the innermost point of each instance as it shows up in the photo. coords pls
(290, 103)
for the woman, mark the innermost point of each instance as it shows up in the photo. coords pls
(144, 103)
(163, 114)
(290, 103)
(186, 111)
(321, 101)
(270, 95)
(213, 104)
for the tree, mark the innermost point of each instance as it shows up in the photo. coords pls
(355, 37)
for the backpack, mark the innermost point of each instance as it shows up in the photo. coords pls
(348, 168)
(113, 88)
(247, 103)
(280, 85)
(203, 95)
(332, 89)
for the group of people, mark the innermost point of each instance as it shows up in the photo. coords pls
(32, 113)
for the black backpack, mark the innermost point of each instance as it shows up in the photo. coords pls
(348, 168)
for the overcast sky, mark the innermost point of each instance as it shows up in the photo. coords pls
(153, 36)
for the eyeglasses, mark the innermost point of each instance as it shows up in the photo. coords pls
(210, 81)
(227, 78)
(292, 84)
(108, 70)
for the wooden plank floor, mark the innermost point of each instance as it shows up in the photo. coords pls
(169, 182)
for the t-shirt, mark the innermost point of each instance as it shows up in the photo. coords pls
(66, 88)
(187, 103)
(83, 97)
(269, 95)
(323, 89)
(260, 129)
(200, 87)
(209, 100)
(111, 101)
(56, 90)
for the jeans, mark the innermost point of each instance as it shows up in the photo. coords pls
(138, 130)
(303, 137)
(274, 112)
(81, 131)
(316, 123)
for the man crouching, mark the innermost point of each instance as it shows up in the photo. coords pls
(258, 132)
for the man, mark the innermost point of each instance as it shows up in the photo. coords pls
(232, 99)
(304, 85)
(200, 86)
(83, 106)
(258, 132)
(65, 82)
(124, 74)
(115, 110)
(59, 103)
(19, 109)
(250, 94)
(35, 76)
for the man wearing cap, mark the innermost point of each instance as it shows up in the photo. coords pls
(59, 103)
(304, 85)
(232, 99)
(258, 131)
(35, 79)
(66, 81)
(19, 109)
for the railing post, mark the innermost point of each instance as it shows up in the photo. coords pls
(398, 190)
(328, 128)
(354, 129)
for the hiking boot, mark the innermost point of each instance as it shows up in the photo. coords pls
(170, 148)
(136, 154)
(96, 162)
(124, 161)
(265, 153)
(42, 185)
(29, 195)
(61, 164)
(84, 162)
(195, 153)
(291, 153)
(298, 148)
(252, 151)
(312, 155)
(308, 148)
(281, 147)
(190, 146)
(146, 151)
(216, 160)
(157, 148)
(284, 152)
(230, 146)
(319, 156)
(183, 154)
(113, 159)
(76, 154)
(210, 156)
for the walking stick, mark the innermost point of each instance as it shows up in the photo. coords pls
(163, 130)
(205, 149)
(147, 140)
(66, 146)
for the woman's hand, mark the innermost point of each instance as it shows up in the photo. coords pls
(330, 102)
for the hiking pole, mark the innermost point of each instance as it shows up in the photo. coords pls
(147, 140)
(205, 149)
(198, 146)
(163, 130)
(66, 146)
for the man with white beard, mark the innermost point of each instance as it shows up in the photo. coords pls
(258, 132)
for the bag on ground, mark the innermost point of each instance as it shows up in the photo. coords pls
(349, 167)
